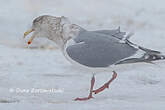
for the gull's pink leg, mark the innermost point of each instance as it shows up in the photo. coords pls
(106, 85)
(90, 93)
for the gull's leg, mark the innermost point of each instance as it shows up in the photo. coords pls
(90, 93)
(106, 85)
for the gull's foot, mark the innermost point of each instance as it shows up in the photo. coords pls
(83, 99)
(90, 93)
(106, 85)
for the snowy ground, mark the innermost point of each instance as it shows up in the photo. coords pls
(43, 67)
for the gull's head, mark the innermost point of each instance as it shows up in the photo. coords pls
(44, 26)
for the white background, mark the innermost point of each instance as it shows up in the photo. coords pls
(141, 87)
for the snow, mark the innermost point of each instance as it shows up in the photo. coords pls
(42, 66)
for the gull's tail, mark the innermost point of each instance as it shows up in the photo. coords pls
(147, 55)
(151, 55)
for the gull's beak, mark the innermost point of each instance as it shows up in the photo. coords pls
(28, 32)
(31, 39)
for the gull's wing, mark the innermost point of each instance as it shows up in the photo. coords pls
(98, 50)
(112, 33)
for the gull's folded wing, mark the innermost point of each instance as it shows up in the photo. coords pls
(98, 50)
(112, 33)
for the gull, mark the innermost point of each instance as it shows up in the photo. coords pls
(101, 49)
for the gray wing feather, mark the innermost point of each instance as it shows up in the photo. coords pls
(113, 33)
(148, 56)
(98, 50)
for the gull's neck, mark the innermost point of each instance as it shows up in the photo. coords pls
(68, 31)
(62, 30)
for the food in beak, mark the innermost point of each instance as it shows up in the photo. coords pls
(30, 40)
